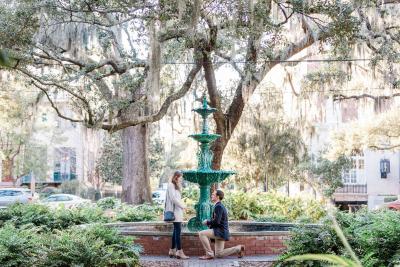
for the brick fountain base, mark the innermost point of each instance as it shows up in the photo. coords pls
(259, 238)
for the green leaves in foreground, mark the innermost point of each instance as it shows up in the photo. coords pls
(94, 245)
(329, 258)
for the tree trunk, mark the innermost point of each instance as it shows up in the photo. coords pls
(265, 183)
(288, 187)
(136, 181)
(7, 167)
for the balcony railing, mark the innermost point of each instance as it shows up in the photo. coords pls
(353, 189)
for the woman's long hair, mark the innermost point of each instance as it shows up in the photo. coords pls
(175, 180)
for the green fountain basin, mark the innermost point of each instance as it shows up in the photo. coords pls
(205, 111)
(206, 177)
(205, 138)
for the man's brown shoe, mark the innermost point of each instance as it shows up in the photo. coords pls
(241, 252)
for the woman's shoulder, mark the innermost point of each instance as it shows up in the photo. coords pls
(171, 186)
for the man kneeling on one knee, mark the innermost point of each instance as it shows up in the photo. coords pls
(218, 231)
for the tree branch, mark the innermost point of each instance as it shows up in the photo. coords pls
(59, 114)
(289, 76)
(215, 96)
(163, 109)
(233, 63)
(341, 97)
(384, 147)
(52, 83)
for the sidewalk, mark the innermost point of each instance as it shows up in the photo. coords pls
(248, 261)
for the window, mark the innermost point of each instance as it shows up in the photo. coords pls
(51, 199)
(63, 198)
(10, 193)
(356, 175)
(64, 164)
(44, 117)
(361, 164)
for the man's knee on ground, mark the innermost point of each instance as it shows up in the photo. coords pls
(201, 233)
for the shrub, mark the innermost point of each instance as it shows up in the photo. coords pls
(190, 196)
(19, 247)
(191, 192)
(41, 216)
(138, 213)
(21, 214)
(109, 203)
(93, 246)
(90, 246)
(264, 206)
(80, 215)
(373, 235)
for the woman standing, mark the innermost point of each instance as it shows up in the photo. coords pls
(174, 203)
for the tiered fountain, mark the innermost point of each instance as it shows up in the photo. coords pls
(204, 175)
(155, 237)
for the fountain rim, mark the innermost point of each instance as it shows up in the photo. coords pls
(202, 109)
(189, 233)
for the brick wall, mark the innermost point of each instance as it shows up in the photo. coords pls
(255, 245)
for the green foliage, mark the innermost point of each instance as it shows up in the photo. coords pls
(373, 235)
(262, 206)
(41, 216)
(191, 192)
(18, 23)
(267, 150)
(109, 203)
(89, 246)
(19, 247)
(272, 206)
(110, 162)
(332, 259)
(156, 158)
(312, 240)
(190, 196)
(327, 76)
(139, 213)
(325, 174)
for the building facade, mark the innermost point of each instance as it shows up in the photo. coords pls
(69, 150)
